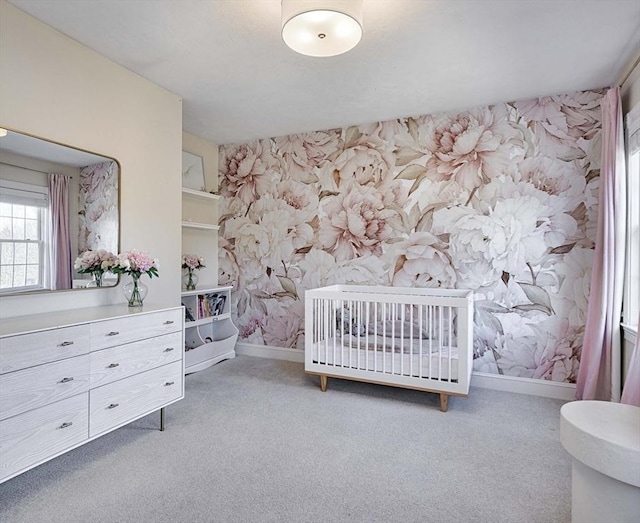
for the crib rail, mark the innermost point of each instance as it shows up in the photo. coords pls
(415, 338)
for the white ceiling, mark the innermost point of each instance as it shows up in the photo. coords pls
(239, 81)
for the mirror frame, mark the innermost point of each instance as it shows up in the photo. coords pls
(119, 203)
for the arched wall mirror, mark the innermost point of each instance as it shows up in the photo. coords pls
(56, 203)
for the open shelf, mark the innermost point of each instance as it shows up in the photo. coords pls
(200, 194)
(210, 335)
(196, 225)
(203, 321)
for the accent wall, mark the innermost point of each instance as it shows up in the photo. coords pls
(501, 199)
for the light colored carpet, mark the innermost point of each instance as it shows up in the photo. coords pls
(256, 441)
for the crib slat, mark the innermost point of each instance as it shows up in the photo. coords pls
(450, 346)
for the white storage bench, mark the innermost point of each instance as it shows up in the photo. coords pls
(405, 337)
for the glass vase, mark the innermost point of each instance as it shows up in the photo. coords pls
(135, 291)
(190, 280)
(97, 279)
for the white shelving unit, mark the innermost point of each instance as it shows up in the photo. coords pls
(210, 335)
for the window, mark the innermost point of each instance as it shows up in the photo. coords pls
(22, 224)
(631, 310)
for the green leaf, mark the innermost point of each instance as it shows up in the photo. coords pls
(425, 223)
(417, 183)
(593, 173)
(490, 306)
(573, 153)
(352, 136)
(288, 285)
(534, 307)
(324, 194)
(405, 155)
(486, 318)
(579, 213)
(412, 172)
(261, 295)
(563, 249)
(412, 125)
(537, 295)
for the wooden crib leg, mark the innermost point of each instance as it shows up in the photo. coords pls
(323, 382)
(443, 401)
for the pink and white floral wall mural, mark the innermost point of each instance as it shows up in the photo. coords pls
(499, 199)
(98, 207)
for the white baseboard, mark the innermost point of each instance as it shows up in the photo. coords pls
(268, 351)
(547, 389)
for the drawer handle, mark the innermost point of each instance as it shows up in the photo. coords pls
(168, 349)
(65, 344)
(113, 333)
(65, 380)
(168, 322)
(113, 366)
(168, 383)
(113, 405)
(66, 424)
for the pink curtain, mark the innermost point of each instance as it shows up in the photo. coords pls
(60, 244)
(599, 373)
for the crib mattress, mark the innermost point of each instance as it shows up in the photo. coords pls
(440, 365)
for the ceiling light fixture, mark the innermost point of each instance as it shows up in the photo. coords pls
(3, 132)
(321, 27)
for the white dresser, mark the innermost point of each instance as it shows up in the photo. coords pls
(69, 377)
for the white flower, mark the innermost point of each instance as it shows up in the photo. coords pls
(300, 197)
(247, 170)
(284, 325)
(559, 121)
(303, 153)
(355, 223)
(471, 147)
(549, 350)
(319, 268)
(420, 261)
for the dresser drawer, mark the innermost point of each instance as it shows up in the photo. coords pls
(25, 350)
(125, 400)
(110, 333)
(38, 386)
(32, 437)
(115, 363)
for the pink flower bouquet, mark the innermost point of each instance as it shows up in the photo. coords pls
(192, 261)
(135, 263)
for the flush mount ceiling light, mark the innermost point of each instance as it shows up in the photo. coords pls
(321, 27)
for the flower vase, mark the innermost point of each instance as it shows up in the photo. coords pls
(135, 291)
(97, 279)
(190, 280)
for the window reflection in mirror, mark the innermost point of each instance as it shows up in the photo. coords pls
(56, 202)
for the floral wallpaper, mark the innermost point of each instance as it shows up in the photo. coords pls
(98, 207)
(500, 199)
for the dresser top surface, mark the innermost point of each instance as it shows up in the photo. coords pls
(68, 318)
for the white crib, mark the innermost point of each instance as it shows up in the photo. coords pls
(406, 337)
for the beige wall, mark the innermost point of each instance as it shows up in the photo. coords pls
(630, 89)
(202, 242)
(53, 87)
